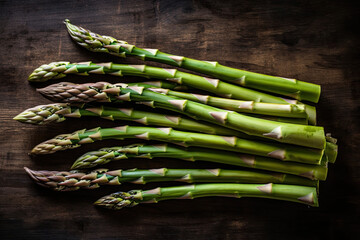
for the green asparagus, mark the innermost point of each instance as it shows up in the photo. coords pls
(272, 109)
(75, 180)
(284, 86)
(58, 112)
(309, 136)
(283, 152)
(300, 194)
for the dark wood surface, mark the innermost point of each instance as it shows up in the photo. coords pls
(315, 41)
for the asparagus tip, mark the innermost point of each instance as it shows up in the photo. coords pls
(30, 172)
(34, 175)
(19, 118)
(118, 200)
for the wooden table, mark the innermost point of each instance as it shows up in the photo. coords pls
(315, 41)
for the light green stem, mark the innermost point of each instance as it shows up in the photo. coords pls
(75, 180)
(283, 152)
(299, 194)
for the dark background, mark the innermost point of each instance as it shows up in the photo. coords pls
(315, 41)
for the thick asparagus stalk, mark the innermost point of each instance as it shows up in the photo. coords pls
(300, 194)
(75, 180)
(284, 86)
(269, 149)
(58, 70)
(310, 136)
(106, 155)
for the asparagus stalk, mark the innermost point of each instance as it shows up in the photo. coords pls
(56, 70)
(271, 109)
(75, 180)
(58, 112)
(300, 194)
(301, 121)
(269, 149)
(310, 136)
(106, 155)
(284, 86)
(289, 113)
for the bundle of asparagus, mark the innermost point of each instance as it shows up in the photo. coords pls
(283, 157)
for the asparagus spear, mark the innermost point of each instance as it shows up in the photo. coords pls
(285, 112)
(269, 149)
(58, 112)
(284, 86)
(310, 136)
(106, 155)
(75, 180)
(272, 109)
(56, 70)
(300, 194)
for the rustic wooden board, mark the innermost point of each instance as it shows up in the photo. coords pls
(316, 41)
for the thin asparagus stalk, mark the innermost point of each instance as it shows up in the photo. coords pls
(300, 194)
(269, 149)
(288, 113)
(58, 112)
(75, 180)
(56, 70)
(284, 86)
(106, 155)
(309, 136)
(271, 109)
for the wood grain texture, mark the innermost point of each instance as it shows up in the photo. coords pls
(315, 41)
